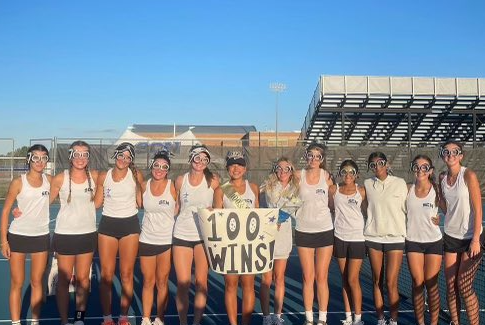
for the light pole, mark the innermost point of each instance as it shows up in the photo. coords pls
(278, 88)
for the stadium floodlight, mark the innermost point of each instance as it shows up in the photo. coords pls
(277, 88)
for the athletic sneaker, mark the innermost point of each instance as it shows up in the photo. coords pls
(277, 320)
(158, 321)
(308, 322)
(359, 322)
(268, 320)
(109, 322)
(321, 322)
(381, 321)
(78, 322)
(346, 322)
(124, 322)
(146, 321)
(392, 322)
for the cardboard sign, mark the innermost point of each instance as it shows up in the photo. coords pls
(239, 241)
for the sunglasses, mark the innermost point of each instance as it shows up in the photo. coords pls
(121, 156)
(379, 163)
(36, 158)
(163, 167)
(450, 153)
(310, 156)
(423, 168)
(287, 169)
(200, 159)
(79, 154)
(348, 171)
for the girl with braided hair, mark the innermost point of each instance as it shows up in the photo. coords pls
(75, 235)
(28, 233)
(118, 190)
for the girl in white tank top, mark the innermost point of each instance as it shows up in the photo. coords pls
(119, 190)
(423, 231)
(29, 232)
(280, 190)
(314, 231)
(462, 204)
(195, 190)
(75, 232)
(244, 195)
(160, 205)
(345, 199)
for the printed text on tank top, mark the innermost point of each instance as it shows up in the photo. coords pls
(312, 179)
(349, 192)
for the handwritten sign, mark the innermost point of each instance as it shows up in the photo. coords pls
(239, 241)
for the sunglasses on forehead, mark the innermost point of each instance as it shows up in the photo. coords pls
(379, 163)
(450, 152)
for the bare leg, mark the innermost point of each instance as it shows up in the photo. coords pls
(452, 264)
(416, 268)
(376, 258)
(279, 279)
(230, 297)
(17, 278)
(307, 261)
(38, 265)
(128, 251)
(432, 267)
(182, 261)
(247, 283)
(393, 265)
(164, 261)
(65, 264)
(201, 275)
(148, 265)
(466, 274)
(266, 280)
(107, 249)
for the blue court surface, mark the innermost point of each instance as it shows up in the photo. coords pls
(215, 310)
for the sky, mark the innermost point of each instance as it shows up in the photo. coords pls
(90, 69)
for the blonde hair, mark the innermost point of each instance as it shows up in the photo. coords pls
(270, 183)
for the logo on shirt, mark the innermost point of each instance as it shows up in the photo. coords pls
(185, 197)
(163, 202)
(352, 201)
(107, 192)
(320, 191)
(87, 190)
(428, 205)
(45, 193)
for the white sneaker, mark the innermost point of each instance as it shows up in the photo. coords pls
(381, 321)
(79, 322)
(392, 322)
(268, 320)
(277, 320)
(158, 321)
(146, 321)
(346, 322)
(359, 322)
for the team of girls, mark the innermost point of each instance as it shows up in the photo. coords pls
(384, 218)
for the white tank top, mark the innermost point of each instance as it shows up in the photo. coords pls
(78, 216)
(119, 197)
(419, 227)
(314, 214)
(34, 204)
(158, 220)
(459, 219)
(349, 220)
(248, 196)
(192, 198)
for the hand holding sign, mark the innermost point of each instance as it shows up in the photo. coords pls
(239, 241)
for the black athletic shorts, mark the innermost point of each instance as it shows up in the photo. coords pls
(28, 244)
(64, 244)
(186, 243)
(119, 227)
(348, 249)
(435, 247)
(145, 249)
(314, 239)
(385, 247)
(455, 245)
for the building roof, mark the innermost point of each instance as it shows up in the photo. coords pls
(196, 129)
